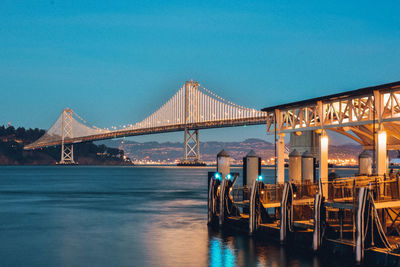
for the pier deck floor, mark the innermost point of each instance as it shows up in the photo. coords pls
(305, 224)
(274, 225)
(297, 202)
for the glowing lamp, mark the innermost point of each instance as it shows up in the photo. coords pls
(382, 137)
(217, 176)
(324, 141)
(260, 178)
(228, 176)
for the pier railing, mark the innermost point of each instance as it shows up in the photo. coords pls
(305, 191)
(303, 202)
(240, 194)
(342, 203)
(271, 193)
(346, 189)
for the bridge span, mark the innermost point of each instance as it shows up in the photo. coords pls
(370, 116)
(191, 109)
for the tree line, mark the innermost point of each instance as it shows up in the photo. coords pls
(12, 141)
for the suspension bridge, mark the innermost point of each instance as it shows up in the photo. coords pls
(192, 108)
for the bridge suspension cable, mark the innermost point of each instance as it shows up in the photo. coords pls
(192, 107)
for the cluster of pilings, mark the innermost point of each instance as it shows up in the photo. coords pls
(357, 213)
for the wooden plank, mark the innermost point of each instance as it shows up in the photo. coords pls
(270, 225)
(271, 205)
(305, 201)
(339, 205)
(244, 216)
(242, 203)
(387, 204)
(304, 224)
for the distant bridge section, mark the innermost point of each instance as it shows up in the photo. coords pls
(192, 108)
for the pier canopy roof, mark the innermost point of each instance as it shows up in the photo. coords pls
(357, 114)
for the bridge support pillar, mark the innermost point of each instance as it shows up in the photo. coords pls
(67, 154)
(280, 161)
(67, 150)
(323, 163)
(192, 147)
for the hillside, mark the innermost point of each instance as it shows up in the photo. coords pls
(13, 140)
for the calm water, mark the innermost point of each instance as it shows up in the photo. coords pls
(122, 216)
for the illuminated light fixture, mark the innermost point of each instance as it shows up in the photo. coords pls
(228, 176)
(382, 137)
(217, 176)
(324, 141)
(260, 178)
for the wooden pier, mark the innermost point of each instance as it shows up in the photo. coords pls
(357, 214)
(360, 215)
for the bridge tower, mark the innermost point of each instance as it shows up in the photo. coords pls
(192, 145)
(67, 150)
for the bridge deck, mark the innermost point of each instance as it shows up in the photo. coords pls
(154, 130)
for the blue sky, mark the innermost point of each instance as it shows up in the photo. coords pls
(114, 62)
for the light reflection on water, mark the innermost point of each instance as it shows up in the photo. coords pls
(120, 216)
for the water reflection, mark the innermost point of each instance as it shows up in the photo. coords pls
(221, 254)
(117, 216)
(230, 249)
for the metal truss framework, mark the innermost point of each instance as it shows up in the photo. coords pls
(357, 115)
(192, 146)
(67, 150)
(190, 109)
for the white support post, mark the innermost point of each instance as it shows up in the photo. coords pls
(380, 150)
(323, 163)
(280, 161)
(381, 136)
